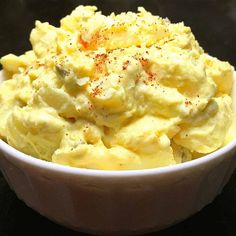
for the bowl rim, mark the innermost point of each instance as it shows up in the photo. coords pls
(55, 167)
(21, 157)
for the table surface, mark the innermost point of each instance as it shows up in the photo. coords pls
(214, 25)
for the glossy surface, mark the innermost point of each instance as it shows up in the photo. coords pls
(214, 24)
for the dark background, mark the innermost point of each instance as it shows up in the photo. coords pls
(214, 25)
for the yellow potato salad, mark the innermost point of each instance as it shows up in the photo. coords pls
(117, 92)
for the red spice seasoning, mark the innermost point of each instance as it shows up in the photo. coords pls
(71, 119)
(125, 65)
(151, 76)
(96, 91)
(83, 42)
(100, 60)
(187, 102)
(143, 61)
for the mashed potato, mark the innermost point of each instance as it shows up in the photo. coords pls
(127, 91)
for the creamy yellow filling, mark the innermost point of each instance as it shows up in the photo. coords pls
(127, 91)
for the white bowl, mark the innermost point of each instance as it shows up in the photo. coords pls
(118, 202)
